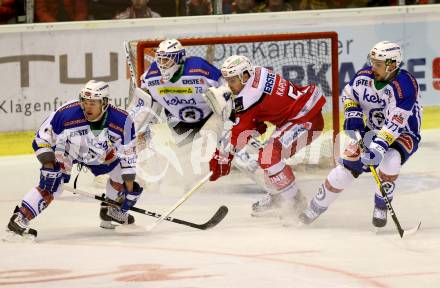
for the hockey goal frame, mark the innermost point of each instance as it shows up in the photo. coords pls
(141, 45)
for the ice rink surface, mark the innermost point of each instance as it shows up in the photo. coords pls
(339, 250)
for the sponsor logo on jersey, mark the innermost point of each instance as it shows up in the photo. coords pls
(116, 127)
(350, 104)
(387, 136)
(175, 90)
(176, 101)
(199, 70)
(257, 75)
(154, 82)
(193, 81)
(281, 88)
(398, 89)
(368, 72)
(362, 82)
(74, 122)
(373, 98)
(81, 132)
(153, 72)
(43, 145)
(270, 81)
(398, 119)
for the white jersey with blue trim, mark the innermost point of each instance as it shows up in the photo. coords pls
(183, 98)
(69, 135)
(389, 111)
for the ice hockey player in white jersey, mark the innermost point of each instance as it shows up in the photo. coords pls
(177, 83)
(89, 132)
(388, 97)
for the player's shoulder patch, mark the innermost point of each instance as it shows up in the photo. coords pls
(69, 115)
(117, 109)
(197, 66)
(366, 71)
(72, 105)
(404, 85)
(152, 71)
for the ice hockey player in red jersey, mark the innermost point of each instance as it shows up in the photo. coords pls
(262, 99)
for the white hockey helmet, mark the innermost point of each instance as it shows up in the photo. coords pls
(96, 90)
(388, 52)
(169, 56)
(236, 65)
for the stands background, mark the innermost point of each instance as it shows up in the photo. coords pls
(42, 65)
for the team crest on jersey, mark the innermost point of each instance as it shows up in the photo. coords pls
(191, 114)
(376, 117)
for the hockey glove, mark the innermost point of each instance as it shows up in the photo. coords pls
(50, 179)
(373, 154)
(130, 198)
(220, 165)
(354, 122)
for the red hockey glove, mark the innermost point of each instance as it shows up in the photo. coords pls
(220, 165)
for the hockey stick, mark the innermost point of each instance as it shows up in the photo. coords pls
(402, 232)
(215, 219)
(183, 199)
(130, 67)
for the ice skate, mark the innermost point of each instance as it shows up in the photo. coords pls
(269, 205)
(311, 213)
(379, 217)
(18, 228)
(109, 214)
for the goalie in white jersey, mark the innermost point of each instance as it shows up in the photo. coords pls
(89, 132)
(176, 83)
(388, 97)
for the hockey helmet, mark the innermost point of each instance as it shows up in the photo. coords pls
(236, 65)
(169, 56)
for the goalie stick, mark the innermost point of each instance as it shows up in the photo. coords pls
(403, 233)
(213, 221)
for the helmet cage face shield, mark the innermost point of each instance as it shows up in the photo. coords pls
(169, 55)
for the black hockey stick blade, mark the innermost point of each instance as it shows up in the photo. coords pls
(215, 219)
(410, 232)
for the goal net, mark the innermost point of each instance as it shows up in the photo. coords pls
(302, 58)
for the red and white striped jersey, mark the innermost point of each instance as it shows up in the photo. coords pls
(266, 96)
